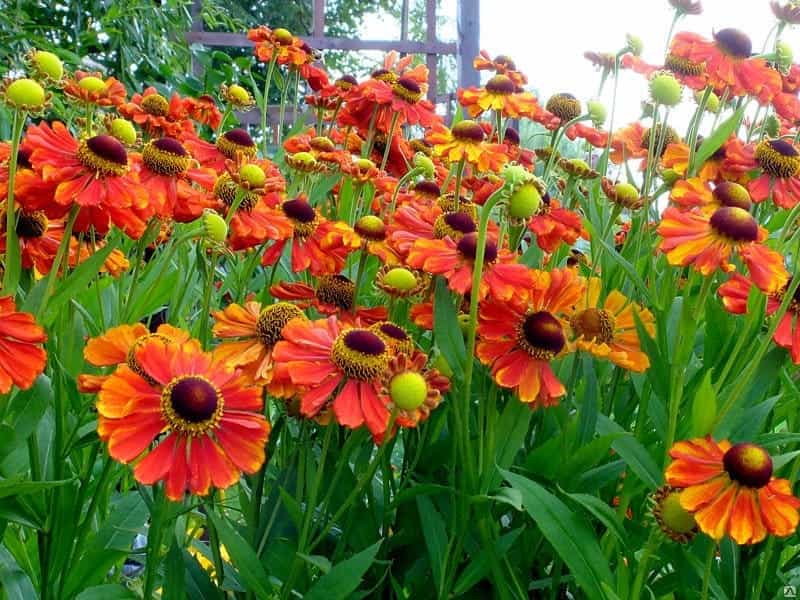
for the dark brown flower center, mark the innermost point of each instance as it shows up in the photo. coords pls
(505, 62)
(565, 106)
(501, 85)
(748, 464)
(511, 136)
(729, 193)
(156, 105)
(360, 354)
(427, 188)
(104, 154)
(236, 141)
(407, 89)
(31, 224)
(541, 335)
(779, 158)
(594, 324)
(194, 399)
(273, 319)
(468, 247)
(733, 42)
(735, 223)
(453, 225)
(165, 156)
(683, 66)
(336, 290)
(664, 136)
(468, 131)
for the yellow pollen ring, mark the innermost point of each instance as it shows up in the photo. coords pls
(99, 164)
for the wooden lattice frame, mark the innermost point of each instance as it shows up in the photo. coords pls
(464, 49)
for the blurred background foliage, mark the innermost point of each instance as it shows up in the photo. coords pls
(141, 42)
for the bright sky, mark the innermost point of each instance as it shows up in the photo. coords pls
(547, 39)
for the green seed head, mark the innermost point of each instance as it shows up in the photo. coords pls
(214, 227)
(25, 94)
(400, 279)
(665, 89)
(525, 201)
(421, 161)
(597, 112)
(408, 390)
(48, 64)
(92, 84)
(253, 175)
(124, 131)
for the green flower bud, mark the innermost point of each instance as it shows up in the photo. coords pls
(524, 201)
(665, 89)
(408, 390)
(25, 94)
(400, 279)
(48, 65)
(253, 175)
(772, 126)
(712, 102)
(634, 44)
(124, 131)
(92, 84)
(784, 56)
(214, 227)
(597, 112)
(421, 161)
(515, 174)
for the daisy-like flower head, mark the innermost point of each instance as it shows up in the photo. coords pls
(39, 239)
(467, 141)
(249, 333)
(555, 225)
(91, 88)
(624, 194)
(317, 244)
(565, 106)
(518, 337)
(673, 520)
(229, 146)
(93, 173)
(608, 329)
(411, 389)
(730, 490)
(697, 193)
(400, 282)
(499, 94)
(706, 242)
(211, 417)
(335, 366)
(501, 64)
(788, 12)
(22, 357)
(779, 161)
(278, 44)
(157, 115)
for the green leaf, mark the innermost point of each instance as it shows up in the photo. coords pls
(446, 329)
(243, 557)
(174, 573)
(714, 141)
(345, 577)
(632, 452)
(111, 543)
(318, 561)
(569, 535)
(704, 407)
(435, 534)
(478, 567)
(75, 282)
(16, 585)
(602, 512)
(510, 435)
(111, 591)
(19, 485)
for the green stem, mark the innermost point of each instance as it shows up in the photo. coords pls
(392, 127)
(58, 260)
(213, 540)
(712, 551)
(265, 103)
(652, 544)
(12, 257)
(206, 307)
(282, 109)
(459, 175)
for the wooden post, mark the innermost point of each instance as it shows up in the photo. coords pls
(469, 32)
(404, 21)
(432, 60)
(318, 29)
(197, 25)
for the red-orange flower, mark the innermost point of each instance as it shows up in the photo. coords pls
(157, 115)
(22, 358)
(502, 64)
(279, 44)
(518, 338)
(212, 419)
(466, 142)
(729, 64)
(229, 146)
(318, 245)
(335, 366)
(92, 173)
(734, 294)
(331, 295)
(779, 162)
(39, 239)
(455, 261)
(555, 225)
(731, 490)
(706, 242)
(499, 94)
(93, 89)
(249, 334)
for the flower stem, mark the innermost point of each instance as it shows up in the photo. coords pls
(392, 127)
(12, 257)
(652, 544)
(265, 103)
(712, 551)
(459, 175)
(57, 261)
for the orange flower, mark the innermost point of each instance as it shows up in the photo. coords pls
(706, 242)
(676, 157)
(502, 64)
(499, 94)
(157, 115)
(92, 173)
(279, 44)
(249, 334)
(596, 137)
(518, 338)
(230, 145)
(608, 330)
(690, 73)
(93, 89)
(554, 225)
(318, 245)
(734, 294)
(466, 142)
(166, 172)
(408, 371)
(633, 142)
(117, 346)
(729, 65)
(731, 490)
(39, 239)
(455, 262)
(332, 294)
(335, 366)
(211, 418)
(779, 162)
(22, 358)
(697, 193)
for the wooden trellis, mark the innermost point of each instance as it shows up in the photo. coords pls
(464, 49)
